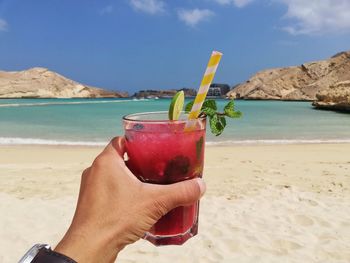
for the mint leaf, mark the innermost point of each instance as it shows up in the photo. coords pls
(230, 106)
(210, 104)
(217, 124)
(221, 124)
(234, 114)
(188, 106)
(229, 110)
(209, 111)
(217, 120)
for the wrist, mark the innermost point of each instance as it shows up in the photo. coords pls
(42, 253)
(47, 255)
(91, 246)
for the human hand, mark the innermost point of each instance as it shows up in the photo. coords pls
(116, 209)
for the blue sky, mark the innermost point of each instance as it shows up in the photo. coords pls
(156, 44)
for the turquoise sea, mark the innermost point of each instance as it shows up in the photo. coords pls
(96, 121)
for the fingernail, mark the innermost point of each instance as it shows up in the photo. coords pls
(202, 186)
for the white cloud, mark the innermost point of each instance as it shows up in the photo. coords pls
(106, 10)
(311, 17)
(148, 6)
(317, 16)
(3, 25)
(194, 16)
(238, 3)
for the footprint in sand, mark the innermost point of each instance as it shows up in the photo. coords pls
(231, 245)
(303, 220)
(324, 223)
(216, 232)
(327, 173)
(274, 171)
(216, 256)
(283, 245)
(311, 202)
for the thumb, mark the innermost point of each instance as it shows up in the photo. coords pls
(182, 193)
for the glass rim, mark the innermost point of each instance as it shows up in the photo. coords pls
(129, 119)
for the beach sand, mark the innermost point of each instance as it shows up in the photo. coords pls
(264, 203)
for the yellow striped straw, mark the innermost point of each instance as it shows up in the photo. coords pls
(203, 89)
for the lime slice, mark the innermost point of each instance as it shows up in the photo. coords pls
(176, 105)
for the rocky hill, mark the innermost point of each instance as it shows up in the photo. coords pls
(295, 83)
(42, 83)
(336, 97)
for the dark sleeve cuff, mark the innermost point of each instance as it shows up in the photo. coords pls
(48, 256)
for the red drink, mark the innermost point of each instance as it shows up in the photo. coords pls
(160, 152)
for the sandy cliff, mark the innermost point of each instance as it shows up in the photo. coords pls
(42, 83)
(296, 83)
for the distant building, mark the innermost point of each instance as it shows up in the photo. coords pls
(214, 92)
(218, 90)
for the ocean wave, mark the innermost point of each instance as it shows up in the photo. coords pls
(68, 103)
(34, 141)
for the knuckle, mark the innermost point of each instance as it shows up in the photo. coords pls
(86, 171)
(85, 174)
(160, 207)
(188, 192)
(189, 189)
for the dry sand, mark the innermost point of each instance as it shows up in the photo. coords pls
(264, 203)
